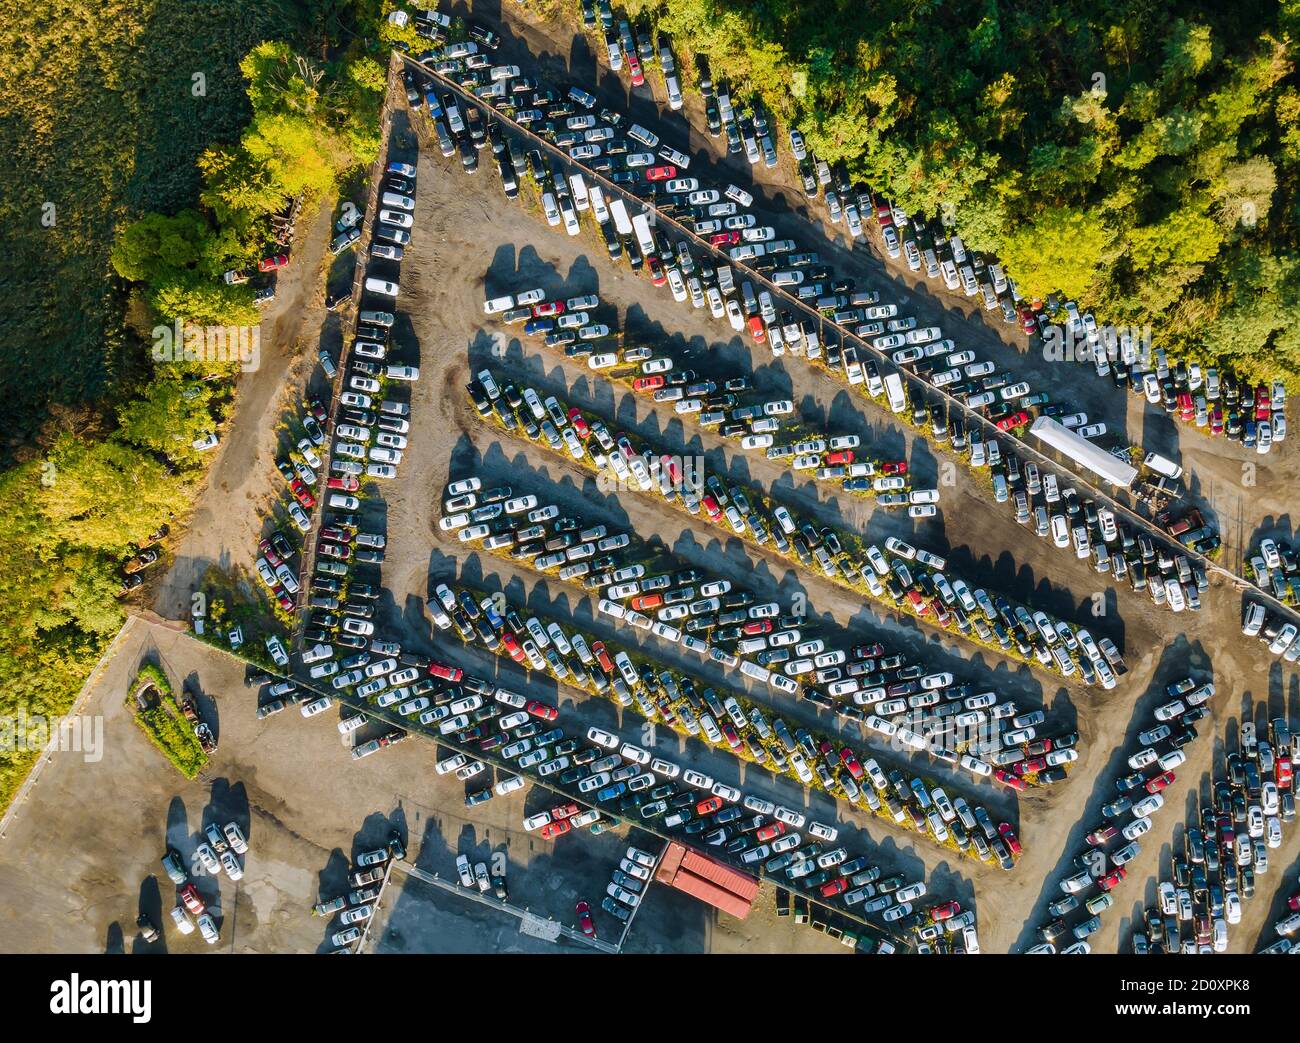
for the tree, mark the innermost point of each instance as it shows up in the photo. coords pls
(156, 247)
(1061, 250)
(104, 495)
(205, 302)
(168, 417)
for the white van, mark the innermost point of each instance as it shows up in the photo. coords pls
(580, 200)
(894, 392)
(1163, 465)
(383, 286)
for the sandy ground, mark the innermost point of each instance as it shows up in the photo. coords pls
(242, 497)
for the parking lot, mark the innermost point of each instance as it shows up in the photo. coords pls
(476, 226)
(470, 244)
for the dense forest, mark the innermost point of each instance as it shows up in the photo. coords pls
(144, 146)
(1139, 156)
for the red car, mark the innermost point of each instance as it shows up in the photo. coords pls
(729, 733)
(1216, 421)
(547, 308)
(337, 535)
(711, 506)
(1027, 321)
(545, 711)
(756, 329)
(563, 811)
(1282, 773)
(657, 276)
(268, 552)
(509, 643)
(662, 173)
(579, 423)
(1009, 835)
(850, 761)
(346, 482)
(1159, 782)
(834, 887)
(286, 602)
(302, 494)
(1293, 902)
(634, 67)
(724, 239)
(1007, 779)
(1112, 879)
(757, 626)
(708, 806)
(1263, 403)
(842, 456)
(653, 383)
(447, 673)
(190, 896)
(602, 656)
(770, 832)
(945, 912)
(1013, 420)
(1034, 764)
(645, 602)
(893, 467)
(270, 264)
(584, 919)
(1186, 407)
(555, 829)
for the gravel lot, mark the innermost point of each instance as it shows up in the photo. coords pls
(471, 244)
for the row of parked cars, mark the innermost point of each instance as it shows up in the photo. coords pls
(1281, 636)
(217, 853)
(1254, 415)
(926, 592)
(1275, 568)
(1093, 532)
(1114, 842)
(727, 722)
(725, 404)
(370, 433)
(916, 709)
(358, 904)
(1225, 847)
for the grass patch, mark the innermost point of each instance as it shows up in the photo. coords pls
(164, 722)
